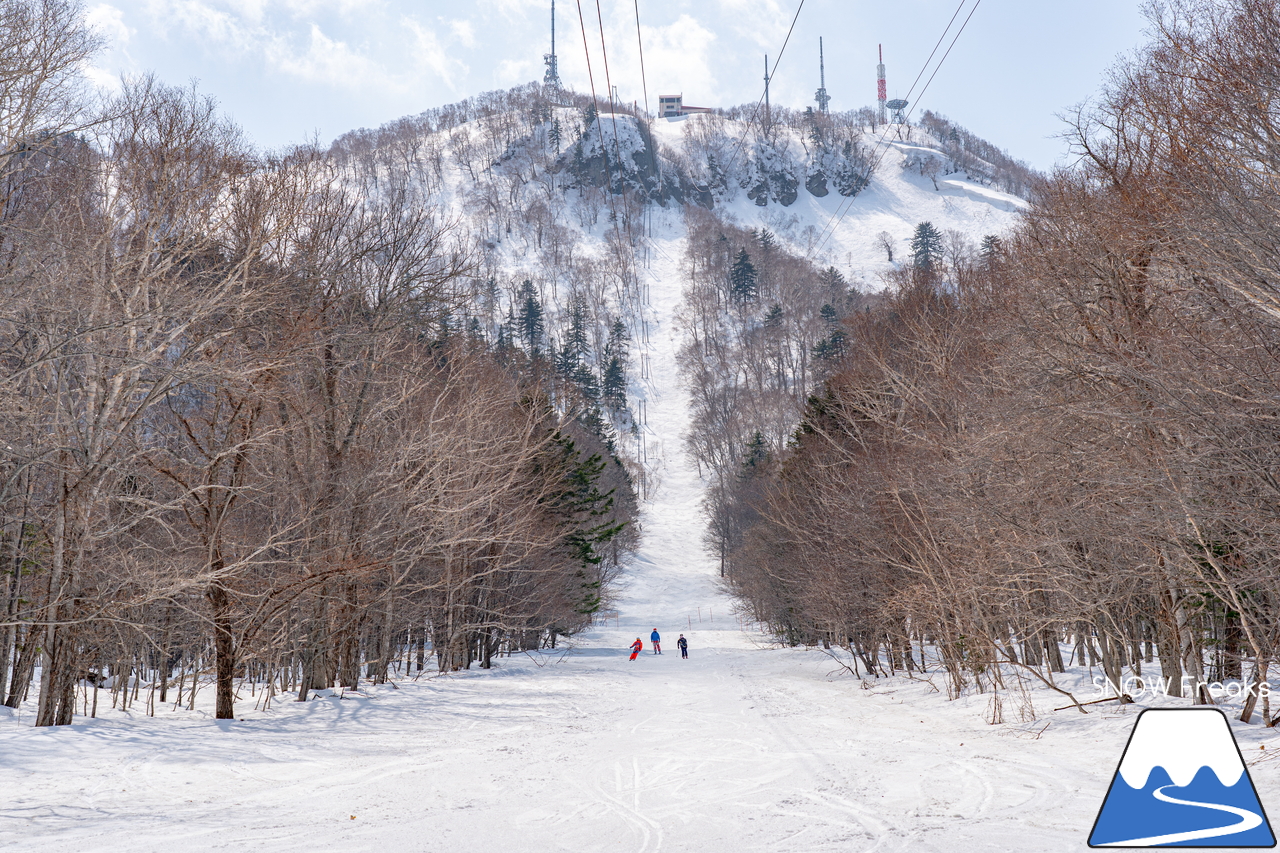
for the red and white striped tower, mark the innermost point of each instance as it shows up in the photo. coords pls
(881, 90)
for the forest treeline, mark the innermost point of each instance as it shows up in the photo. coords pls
(1069, 437)
(246, 437)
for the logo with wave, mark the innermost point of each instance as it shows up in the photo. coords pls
(1182, 783)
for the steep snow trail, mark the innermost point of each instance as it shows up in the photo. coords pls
(672, 579)
(739, 748)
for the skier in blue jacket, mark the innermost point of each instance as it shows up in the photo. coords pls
(657, 642)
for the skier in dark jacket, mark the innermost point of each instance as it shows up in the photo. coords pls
(684, 646)
(657, 642)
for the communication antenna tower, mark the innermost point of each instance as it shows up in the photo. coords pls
(881, 91)
(552, 77)
(821, 97)
(899, 108)
(767, 122)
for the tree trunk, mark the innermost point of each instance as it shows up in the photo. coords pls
(1168, 639)
(1232, 635)
(224, 651)
(1257, 677)
(349, 642)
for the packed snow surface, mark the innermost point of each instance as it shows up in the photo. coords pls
(742, 747)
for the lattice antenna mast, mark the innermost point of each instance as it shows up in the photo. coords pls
(821, 97)
(881, 91)
(767, 122)
(552, 77)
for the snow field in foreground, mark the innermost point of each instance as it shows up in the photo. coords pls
(738, 748)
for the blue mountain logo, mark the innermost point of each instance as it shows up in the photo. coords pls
(1182, 783)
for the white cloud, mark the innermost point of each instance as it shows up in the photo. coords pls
(429, 55)
(677, 59)
(205, 22)
(109, 22)
(328, 62)
(513, 72)
(463, 33)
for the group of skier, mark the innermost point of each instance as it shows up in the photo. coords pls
(656, 639)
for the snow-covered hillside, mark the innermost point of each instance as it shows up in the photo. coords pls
(742, 747)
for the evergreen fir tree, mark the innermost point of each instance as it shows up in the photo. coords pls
(765, 238)
(822, 350)
(757, 453)
(992, 250)
(715, 174)
(529, 318)
(555, 134)
(584, 510)
(833, 281)
(832, 347)
(829, 314)
(585, 379)
(926, 247)
(773, 318)
(619, 344)
(589, 116)
(576, 341)
(503, 344)
(742, 278)
(815, 132)
(613, 386)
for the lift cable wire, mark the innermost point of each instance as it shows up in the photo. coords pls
(880, 148)
(830, 230)
(742, 137)
(640, 44)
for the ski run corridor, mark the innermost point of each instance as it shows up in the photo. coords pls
(745, 746)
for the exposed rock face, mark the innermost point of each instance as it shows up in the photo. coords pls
(620, 149)
(816, 184)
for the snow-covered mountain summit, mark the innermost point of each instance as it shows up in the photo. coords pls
(548, 181)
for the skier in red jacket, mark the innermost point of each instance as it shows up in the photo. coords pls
(636, 647)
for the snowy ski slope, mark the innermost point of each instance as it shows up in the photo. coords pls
(743, 747)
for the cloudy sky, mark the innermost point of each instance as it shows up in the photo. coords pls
(289, 70)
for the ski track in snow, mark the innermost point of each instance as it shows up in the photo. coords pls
(741, 748)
